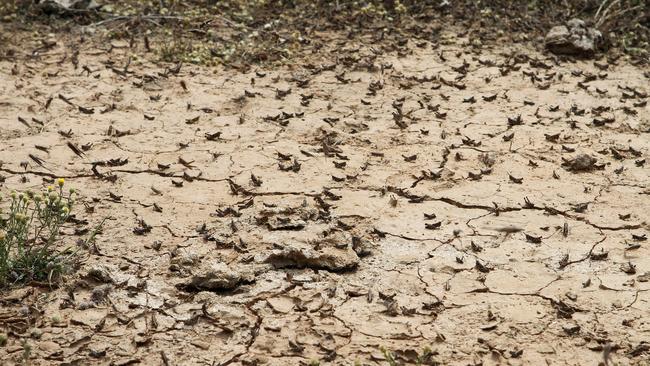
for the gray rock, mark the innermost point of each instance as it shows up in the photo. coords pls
(574, 38)
(184, 258)
(67, 6)
(326, 258)
(214, 276)
(580, 163)
(100, 293)
(100, 273)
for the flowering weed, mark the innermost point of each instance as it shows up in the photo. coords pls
(28, 232)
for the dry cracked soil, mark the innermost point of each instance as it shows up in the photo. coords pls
(448, 205)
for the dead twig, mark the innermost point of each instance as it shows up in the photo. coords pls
(132, 17)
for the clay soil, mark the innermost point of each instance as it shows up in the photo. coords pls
(431, 202)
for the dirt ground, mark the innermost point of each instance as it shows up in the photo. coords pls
(422, 198)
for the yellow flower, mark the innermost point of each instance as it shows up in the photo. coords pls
(60, 182)
(50, 188)
(65, 210)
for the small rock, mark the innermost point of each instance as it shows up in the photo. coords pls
(327, 258)
(277, 224)
(629, 268)
(182, 261)
(644, 127)
(490, 326)
(644, 277)
(99, 293)
(361, 247)
(281, 304)
(97, 352)
(574, 38)
(84, 305)
(571, 329)
(581, 163)
(140, 340)
(214, 276)
(156, 244)
(100, 273)
(274, 325)
(67, 6)
(184, 258)
(49, 347)
(201, 345)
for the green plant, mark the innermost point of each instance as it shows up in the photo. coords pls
(28, 234)
(92, 238)
(27, 352)
(425, 357)
(422, 359)
(388, 355)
